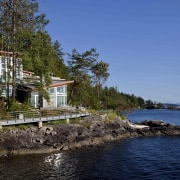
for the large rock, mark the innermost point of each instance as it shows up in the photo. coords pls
(155, 123)
(159, 127)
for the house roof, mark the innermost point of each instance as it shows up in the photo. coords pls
(31, 86)
(61, 83)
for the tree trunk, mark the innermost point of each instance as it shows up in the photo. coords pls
(14, 52)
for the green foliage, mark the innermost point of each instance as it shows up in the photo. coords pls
(149, 103)
(57, 122)
(111, 116)
(160, 105)
(16, 106)
(57, 66)
(24, 126)
(17, 18)
(111, 98)
(100, 71)
(79, 66)
(123, 117)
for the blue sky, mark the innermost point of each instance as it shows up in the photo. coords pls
(139, 39)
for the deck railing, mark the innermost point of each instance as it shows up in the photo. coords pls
(22, 117)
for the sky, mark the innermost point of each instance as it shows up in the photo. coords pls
(139, 39)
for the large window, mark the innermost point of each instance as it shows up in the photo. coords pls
(61, 101)
(19, 70)
(51, 92)
(61, 90)
(3, 69)
(61, 96)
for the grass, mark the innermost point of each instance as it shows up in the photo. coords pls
(15, 127)
(24, 126)
(123, 117)
(113, 115)
(57, 122)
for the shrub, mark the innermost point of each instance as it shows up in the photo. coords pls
(16, 106)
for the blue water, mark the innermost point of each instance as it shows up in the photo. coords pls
(139, 158)
(170, 116)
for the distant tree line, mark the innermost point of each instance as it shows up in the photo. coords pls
(22, 30)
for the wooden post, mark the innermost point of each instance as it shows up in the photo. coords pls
(67, 120)
(40, 124)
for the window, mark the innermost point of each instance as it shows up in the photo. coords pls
(2, 70)
(61, 96)
(19, 69)
(51, 92)
(61, 101)
(10, 91)
(35, 99)
(2, 60)
(3, 75)
(60, 90)
(2, 65)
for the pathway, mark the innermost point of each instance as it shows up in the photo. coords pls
(22, 120)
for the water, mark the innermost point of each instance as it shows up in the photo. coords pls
(139, 158)
(170, 116)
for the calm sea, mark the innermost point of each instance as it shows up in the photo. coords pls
(138, 158)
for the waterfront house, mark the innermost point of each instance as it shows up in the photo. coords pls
(26, 89)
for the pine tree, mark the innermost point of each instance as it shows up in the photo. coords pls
(100, 71)
(79, 66)
(19, 20)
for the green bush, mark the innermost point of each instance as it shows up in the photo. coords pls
(123, 117)
(16, 106)
(111, 116)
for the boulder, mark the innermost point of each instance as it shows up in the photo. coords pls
(155, 123)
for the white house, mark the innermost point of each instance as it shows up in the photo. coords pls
(27, 90)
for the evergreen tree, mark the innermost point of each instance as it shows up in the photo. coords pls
(58, 67)
(18, 20)
(100, 71)
(79, 66)
(40, 54)
(15, 16)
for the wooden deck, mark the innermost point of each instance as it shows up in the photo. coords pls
(24, 120)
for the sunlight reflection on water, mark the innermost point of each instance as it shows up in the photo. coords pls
(54, 160)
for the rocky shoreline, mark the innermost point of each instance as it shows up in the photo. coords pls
(90, 131)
